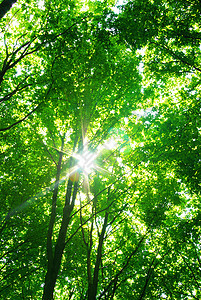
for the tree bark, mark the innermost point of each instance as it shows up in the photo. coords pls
(50, 278)
(5, 6)
(54, 262)
(92, 289)
(55, 257)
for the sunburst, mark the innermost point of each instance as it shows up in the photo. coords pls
(86, 161)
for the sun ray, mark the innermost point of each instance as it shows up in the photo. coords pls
(84, 163)
(102, 170)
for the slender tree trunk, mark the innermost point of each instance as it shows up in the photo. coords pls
(92, 289)
(5, 6)
(54, 265)
(54, 260)
(50, 278)
(55, 257)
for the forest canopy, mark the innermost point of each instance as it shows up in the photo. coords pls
(100, 142)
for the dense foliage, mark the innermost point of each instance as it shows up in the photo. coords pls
(100, 139)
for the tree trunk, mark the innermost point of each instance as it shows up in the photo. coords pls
(5, 6)
(55, 255)
(50, 281)
(92, 288)
(55, 263)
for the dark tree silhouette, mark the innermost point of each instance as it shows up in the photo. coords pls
(5, 6)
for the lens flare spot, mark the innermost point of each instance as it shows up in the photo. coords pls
(74, 177)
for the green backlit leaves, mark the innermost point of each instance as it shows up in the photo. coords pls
(125, 87)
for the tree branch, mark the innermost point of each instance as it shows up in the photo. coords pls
(20, 121)
(5, 6)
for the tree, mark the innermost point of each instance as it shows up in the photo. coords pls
(100, 169)
(5, 6)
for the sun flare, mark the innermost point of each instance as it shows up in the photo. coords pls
(86, 161)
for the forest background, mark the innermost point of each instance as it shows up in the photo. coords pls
(100, 149)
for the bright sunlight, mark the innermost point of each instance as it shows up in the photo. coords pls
(86, 161)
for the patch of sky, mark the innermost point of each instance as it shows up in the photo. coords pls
(141, 68)
(117, 8)
(126, 121)
(43, 131)
(141, 51)
(41, 4)
(144, 112)
(186, 213)
(18, 71)
(2, 42)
